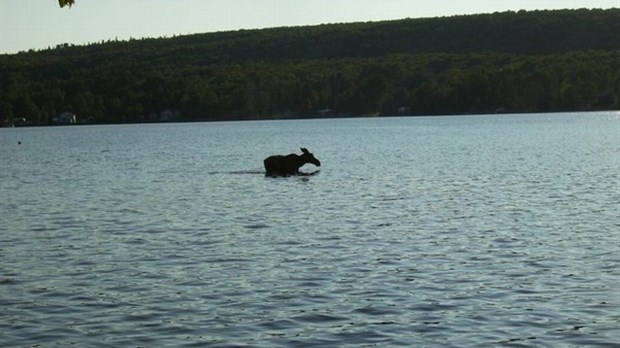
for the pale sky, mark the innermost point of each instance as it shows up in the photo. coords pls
(38, 24)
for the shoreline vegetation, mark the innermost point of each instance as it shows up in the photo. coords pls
(509, 62)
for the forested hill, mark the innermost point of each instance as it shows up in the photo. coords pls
(519, 62)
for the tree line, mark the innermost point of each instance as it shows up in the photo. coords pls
(514, 61)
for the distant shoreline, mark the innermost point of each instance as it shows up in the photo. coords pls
(319, 118)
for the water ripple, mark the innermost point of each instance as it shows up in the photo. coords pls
(505, 225)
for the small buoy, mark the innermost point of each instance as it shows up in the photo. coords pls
(19, 143)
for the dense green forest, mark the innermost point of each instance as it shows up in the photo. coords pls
(538, 61)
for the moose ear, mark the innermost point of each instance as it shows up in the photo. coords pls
(304, 150)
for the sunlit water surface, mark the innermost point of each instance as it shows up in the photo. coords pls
(447, 231)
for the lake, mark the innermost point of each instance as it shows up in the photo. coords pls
(500, 230)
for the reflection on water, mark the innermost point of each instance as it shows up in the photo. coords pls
(449, 231)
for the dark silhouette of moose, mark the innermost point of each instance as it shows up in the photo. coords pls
(279, 165)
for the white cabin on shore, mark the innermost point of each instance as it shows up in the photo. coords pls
(65, 118)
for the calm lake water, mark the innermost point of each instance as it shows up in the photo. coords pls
(418, 232)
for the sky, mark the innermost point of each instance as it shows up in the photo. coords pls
(39, 24)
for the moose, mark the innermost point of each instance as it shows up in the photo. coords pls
(279, 165)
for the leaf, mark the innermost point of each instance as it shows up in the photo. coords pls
(64, 3)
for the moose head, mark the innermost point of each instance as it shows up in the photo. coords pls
(307, 157)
